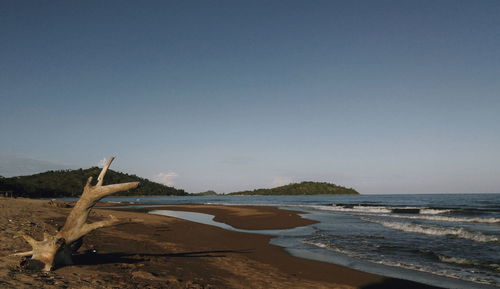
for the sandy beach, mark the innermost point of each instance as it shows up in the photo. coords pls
(165, 252)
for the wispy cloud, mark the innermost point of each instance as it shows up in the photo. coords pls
(281, 181)
(166, 178)
(101, 163)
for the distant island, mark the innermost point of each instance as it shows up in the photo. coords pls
(303, 188)
(207, 193)
(69, 183)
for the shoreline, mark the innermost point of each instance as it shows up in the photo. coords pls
(165, 252)
(237, 217)
(263, 217)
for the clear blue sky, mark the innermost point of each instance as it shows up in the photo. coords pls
(383, 96)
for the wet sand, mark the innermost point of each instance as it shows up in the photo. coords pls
(165, 252)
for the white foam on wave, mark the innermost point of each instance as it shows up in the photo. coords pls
(444, 273)
(456, 260)
(435, 230)
(317, 244)
(463, 261)
(446, 219)
(425, 214)
(378, 209)
(356, 209)
(331, 247)
(434, 211)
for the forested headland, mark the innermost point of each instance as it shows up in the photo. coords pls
(70, 183)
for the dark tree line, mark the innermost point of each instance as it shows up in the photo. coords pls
(69, 183)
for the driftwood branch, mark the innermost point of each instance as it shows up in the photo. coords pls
(57, 249)
(23, 254)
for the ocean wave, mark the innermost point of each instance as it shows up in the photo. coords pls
(429, 211)
(331, 247)
(380, 209)
(317, 244)
(408, 213)
(467, 262)
(446, 219)
(417, 267)
(444, 273)
(356, 209)
(435, 230)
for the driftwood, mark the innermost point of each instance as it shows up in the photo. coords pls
(57, 249)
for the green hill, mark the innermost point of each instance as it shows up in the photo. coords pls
(304, 188)
(207, 193)
(69, 183)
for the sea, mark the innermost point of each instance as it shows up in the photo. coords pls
(446, 240)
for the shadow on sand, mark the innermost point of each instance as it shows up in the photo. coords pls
(398, 284)
(90, 258)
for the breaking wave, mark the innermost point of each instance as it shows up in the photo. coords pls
(435, 230)
(356, 209)
(467, 262)
(445, 273)
(447, 219)
(406, 213)
(381, 209)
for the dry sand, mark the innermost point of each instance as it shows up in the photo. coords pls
(164, 252)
